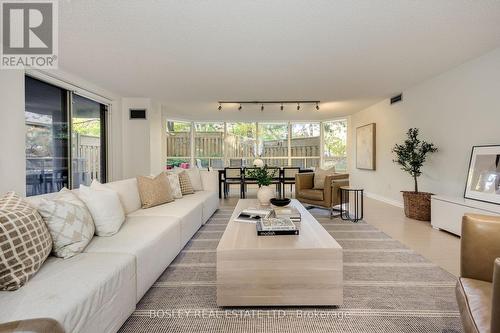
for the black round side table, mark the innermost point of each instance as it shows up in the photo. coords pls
(351, 210)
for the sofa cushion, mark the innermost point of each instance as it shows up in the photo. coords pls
(153, 241)
(210, 202)
(128, 192)
(310, 194)
(320, 176)
(188, 211)
(210, 180)
(25, 241)
(474, 301)
(104, 206)
(77, 292)
(154, 191)
(69, 221)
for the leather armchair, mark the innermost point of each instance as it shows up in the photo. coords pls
(327, 197)
(39, 325)
(478, 288)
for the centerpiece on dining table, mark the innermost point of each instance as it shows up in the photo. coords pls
(263, 176)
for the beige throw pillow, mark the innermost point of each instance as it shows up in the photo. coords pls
(154, 191)
(25, 242)
(185, 182)
(69, 221)
(175, 185)
(319, 177)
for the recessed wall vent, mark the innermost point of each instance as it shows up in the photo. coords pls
(397, 98)
(137, 113)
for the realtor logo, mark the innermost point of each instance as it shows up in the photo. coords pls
(29, 34)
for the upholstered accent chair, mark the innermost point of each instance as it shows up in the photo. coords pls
(478, 288)
(327, 197)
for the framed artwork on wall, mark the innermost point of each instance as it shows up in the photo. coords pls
(365, 147)
(483, 179)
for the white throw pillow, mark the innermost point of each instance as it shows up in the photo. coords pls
(175, 185)
(69, 221)
(320, 175)
(194, 177)
(104, 206)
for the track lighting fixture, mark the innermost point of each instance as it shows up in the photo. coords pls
(262, 103)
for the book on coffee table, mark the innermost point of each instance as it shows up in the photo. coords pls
(253, 215)
(276, 226)
(288, 212)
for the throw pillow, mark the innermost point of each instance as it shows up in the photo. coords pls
(185, 183)
(25, 242)
(319, 177)
(194, 177)
(175, 185)
(69, 221)
(104, 206)
(154, 191)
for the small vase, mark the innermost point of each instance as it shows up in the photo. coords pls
(264, 195)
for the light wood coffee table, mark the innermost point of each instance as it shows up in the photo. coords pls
(278, 270)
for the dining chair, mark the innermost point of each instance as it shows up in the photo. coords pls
(232, 176)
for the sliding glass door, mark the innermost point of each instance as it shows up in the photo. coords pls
(47, 153)
(57, 119)
(88, 128)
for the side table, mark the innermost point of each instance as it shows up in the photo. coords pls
(352, 208)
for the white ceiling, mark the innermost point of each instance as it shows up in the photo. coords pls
(187, 54)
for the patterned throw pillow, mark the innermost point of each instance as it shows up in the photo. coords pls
(175, 185)
(320, 176)
(154, 191)
(185, 182)
(69, 221)
(25, 242)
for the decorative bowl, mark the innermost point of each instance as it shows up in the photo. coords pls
(280, 202)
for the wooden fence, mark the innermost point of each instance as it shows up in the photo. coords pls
(211, 145)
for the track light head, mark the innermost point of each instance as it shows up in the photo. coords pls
(240, 107)
(298, 106)
(261, 107)
(281, 107)
(220, 107)
(317, 106)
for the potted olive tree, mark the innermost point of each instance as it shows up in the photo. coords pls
(410, 156)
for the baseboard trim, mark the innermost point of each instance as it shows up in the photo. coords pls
(384, 199)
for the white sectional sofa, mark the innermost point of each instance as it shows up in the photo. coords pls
(96, 291)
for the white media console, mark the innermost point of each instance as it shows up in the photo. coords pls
(447, 212)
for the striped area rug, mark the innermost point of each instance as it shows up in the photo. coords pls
(387, 288)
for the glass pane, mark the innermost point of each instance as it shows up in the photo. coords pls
(88, 142)
(305, 140)
(178, 144)
(335, 141)
(209, 144)
(278, 162)
(273, 140)
(241, 139)
(46, 137)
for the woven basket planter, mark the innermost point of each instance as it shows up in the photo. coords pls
(417, 205)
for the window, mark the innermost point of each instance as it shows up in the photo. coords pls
(335, 148)
(209, 145)
(305, 145)
(273, 143)
(49, 136)
(241, 143)
(178, 144)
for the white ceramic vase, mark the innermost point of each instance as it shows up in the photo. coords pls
(264, 195)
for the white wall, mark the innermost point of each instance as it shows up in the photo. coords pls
(142, 138)
(455, 111)
(12, 133)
